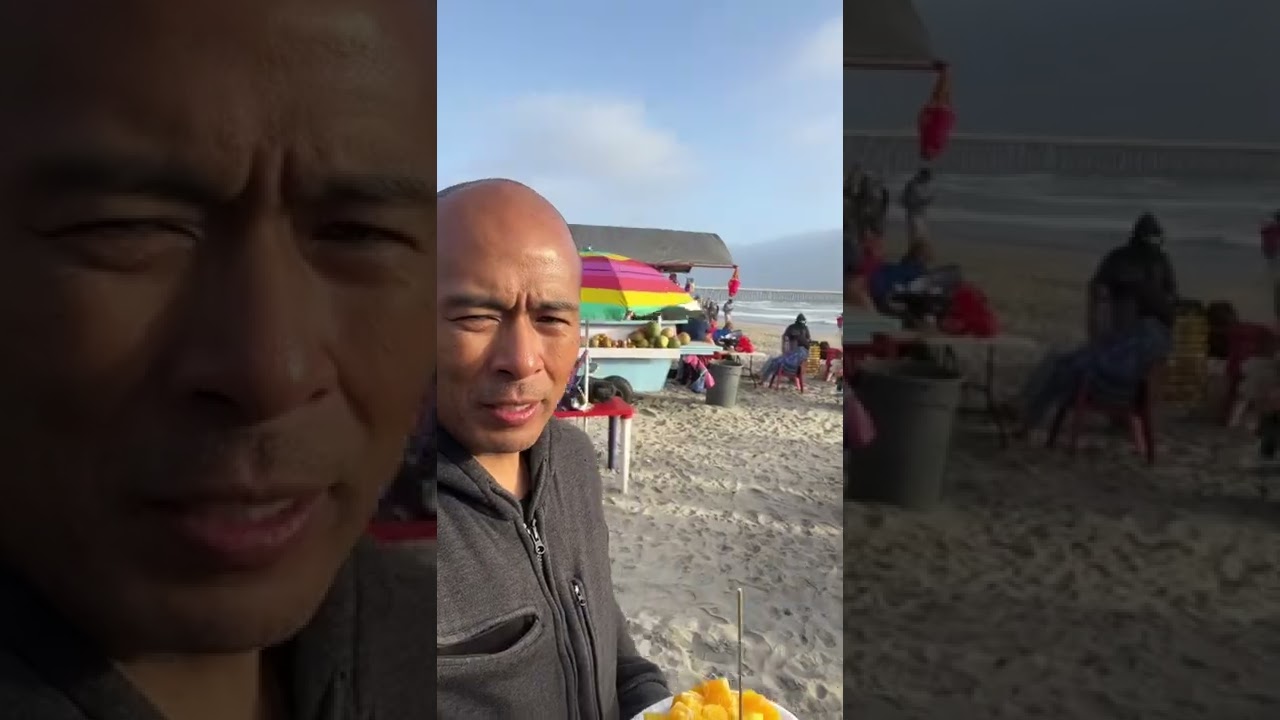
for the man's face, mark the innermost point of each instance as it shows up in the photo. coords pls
(508, 332)
(216, 297)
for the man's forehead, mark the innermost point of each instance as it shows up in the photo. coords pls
(498, 217)
(508, 262)
(210, 57)
(215, 107)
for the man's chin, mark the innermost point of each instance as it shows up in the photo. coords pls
(508, 441)
(216, 623)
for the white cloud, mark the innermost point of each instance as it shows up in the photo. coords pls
(821, 55)
(804, 108)
(586, 144)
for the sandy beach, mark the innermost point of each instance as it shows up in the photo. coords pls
(725, 498)
(1091, 587)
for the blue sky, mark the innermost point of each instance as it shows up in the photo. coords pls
(715, 115)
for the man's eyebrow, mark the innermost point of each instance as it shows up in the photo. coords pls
(484, 302)
(107, 174)
(557, 306)
(458, 301)
(376, 189)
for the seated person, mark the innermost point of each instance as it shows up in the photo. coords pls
(697, 326)
(790, 361)
(893, 278)
(797, 335)
(1115, 366)
(1133, 282)
(726, 336)
(1131, 312)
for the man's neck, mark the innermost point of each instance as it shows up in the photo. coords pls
(509, 471)
(208, 687)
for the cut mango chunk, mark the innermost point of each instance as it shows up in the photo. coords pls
(717, 700)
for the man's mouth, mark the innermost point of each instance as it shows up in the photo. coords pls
(238, 532)
(513, 413)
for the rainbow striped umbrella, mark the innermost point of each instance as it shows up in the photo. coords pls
(613, 285)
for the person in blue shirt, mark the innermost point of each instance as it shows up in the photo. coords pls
(697, 326)
(725, 333)
(893, 277)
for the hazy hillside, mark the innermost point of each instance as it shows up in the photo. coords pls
(811, 261)
(1137, 68)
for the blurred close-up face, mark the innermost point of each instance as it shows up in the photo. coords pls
(508, 296)
(216, 303)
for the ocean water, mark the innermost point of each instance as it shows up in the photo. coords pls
(1047, 208)
(1211, 228)
(783, 314)
(1202, 220)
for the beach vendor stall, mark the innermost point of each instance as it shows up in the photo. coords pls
(640, 369)
(634, 355)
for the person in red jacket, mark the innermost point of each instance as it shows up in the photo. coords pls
(1271, 251)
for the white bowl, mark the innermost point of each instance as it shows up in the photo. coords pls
(665, 706)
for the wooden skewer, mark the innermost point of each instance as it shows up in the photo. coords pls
(741, 617)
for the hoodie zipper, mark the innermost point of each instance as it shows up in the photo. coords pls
(539, 547)
(584, 616)
(540, 550)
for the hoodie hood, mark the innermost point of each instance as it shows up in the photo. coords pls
(800, 319)
(1145, 229)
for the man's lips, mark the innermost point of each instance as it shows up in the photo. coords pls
(237, 530)
(512, 413)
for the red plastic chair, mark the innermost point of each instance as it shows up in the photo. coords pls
(797, 377)
(1138, 414)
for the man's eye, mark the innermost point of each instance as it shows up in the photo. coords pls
(359, 234)
(123, 228)
(476, 322)
(555, 320)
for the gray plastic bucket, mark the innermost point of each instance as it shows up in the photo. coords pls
(726, 376)
(913, 405)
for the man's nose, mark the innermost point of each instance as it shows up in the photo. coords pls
(256, 347)
(518, 351)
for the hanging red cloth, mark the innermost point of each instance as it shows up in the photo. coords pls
(937, 119)
(734, 282)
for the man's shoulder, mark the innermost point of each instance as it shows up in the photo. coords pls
(397, 615)
(397, 576)
(574, 462)
(569, 442)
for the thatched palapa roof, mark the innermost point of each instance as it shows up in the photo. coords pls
(667, 250)
(886, 34)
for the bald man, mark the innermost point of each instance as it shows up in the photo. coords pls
(528, 624)
(216, 268)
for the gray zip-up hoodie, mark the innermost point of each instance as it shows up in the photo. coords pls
(528, 624)
(364, 656)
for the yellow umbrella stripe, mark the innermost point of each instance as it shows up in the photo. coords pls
(633, 299)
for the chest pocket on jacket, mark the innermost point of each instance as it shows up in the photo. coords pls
(501, 667)
(503, 636)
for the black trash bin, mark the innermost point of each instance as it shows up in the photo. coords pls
(727, 377)
(913, 405)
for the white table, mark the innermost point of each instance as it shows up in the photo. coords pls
(751, 361)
